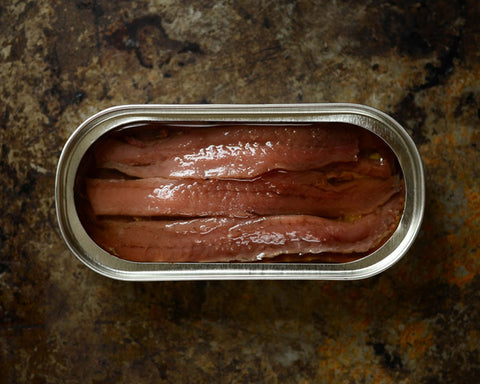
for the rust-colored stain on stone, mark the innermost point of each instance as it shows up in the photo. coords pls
(61, 62)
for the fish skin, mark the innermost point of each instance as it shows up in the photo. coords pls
(277, 193)
(230, 151)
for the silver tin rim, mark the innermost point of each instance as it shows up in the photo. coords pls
(86, 250)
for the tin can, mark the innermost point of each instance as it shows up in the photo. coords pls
(87, 251)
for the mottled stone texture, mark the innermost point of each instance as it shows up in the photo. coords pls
(62, 61)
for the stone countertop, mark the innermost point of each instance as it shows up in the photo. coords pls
(61, 62)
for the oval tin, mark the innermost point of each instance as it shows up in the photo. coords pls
(369, 118)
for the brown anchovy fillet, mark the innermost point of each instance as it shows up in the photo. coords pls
(234, 239)
(310, 193)
(229, 151)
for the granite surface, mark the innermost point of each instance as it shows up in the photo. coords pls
(62, 61)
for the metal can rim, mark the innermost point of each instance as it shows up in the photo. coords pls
(364, 116)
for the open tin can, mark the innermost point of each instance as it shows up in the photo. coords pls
(109, 120)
